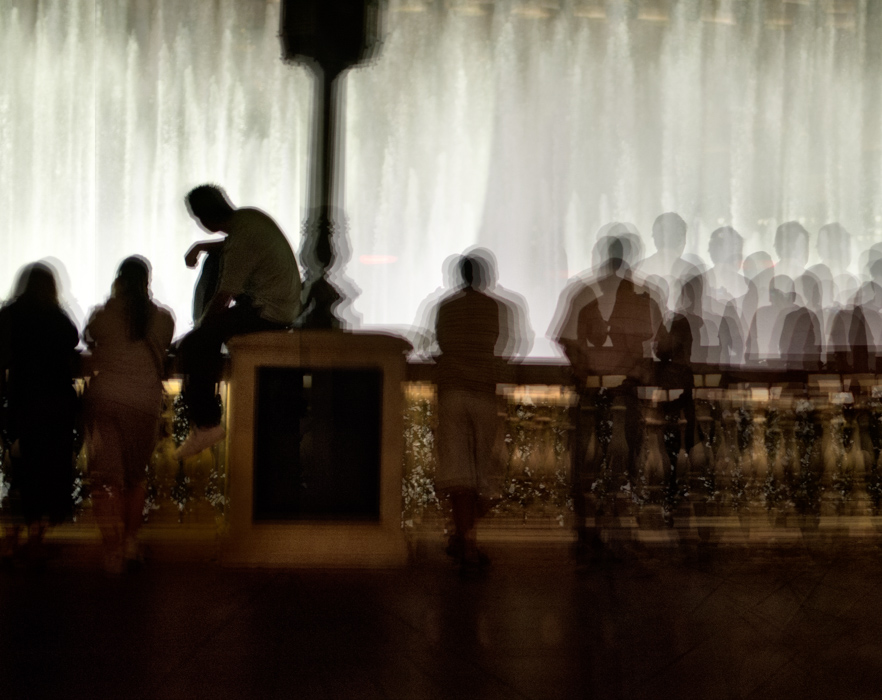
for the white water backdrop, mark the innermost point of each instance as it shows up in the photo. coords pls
(522, 126)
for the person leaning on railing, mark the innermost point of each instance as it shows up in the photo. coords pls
(129, 337)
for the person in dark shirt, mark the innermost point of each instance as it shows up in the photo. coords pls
(470, 329)
(37, 347)
(607, 324)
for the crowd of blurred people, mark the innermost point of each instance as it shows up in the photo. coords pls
(649, 320)
(730, 312)
(644, 321)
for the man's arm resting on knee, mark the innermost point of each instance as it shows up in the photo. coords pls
(191, 258)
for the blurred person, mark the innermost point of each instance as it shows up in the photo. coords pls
(422, 333)
(801, 341)
(37, 351)
(765, 337)
(471, 325)
(605, 325)
(848, 349)
(667, 263)
(606, 308)
(517, 340)
(834, 247)
(759, 269)
(856, 329)
(792, 249)
(845, 286)
(258, 289)
(703, 326)
(868, 300)
(868, 258)
(731, 297)
(129, 337)
(515, 344)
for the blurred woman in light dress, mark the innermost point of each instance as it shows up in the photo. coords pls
(129, 337)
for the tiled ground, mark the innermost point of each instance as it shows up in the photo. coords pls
(736, 623)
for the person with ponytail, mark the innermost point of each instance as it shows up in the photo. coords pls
(129, 337)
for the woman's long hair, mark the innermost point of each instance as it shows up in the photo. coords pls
(132, 287)
(37, 287)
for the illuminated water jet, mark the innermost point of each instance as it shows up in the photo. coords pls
(520, 131)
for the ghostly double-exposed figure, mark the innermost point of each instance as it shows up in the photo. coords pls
(129, 336)
(37, 353)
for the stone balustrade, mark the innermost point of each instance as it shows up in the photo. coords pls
(737, 456)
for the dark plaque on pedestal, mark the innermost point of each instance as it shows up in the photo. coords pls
(317, 444)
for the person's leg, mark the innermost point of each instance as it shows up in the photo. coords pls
(586, 457)
(35, 485)
(206, 285)
(142, 433)
(107, 508)
(201, 364)
(455, 474)
(463, 503)
(14, 516)
(487, 444)
(133, 517)
(104, 438)
(201, 360)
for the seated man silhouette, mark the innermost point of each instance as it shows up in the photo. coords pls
(258, 289)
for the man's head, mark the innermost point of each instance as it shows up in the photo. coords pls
(612, 252)
(834, 246)
(210, 205)
(473, 272)
(756, 263)
(726, 247)
(669, 232)
(791, 242)
(632, 250)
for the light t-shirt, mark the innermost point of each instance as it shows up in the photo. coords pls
(257, 261)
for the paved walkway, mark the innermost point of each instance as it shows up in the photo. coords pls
(737, 623)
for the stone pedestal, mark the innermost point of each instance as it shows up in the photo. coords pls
(297, 392)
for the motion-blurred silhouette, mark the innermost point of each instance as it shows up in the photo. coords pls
(37, 349)
(129, 337)
(606, 325)
(258, 289)
(668, 263)
(474, 336)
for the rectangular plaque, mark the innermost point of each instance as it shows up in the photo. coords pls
(317, 443)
